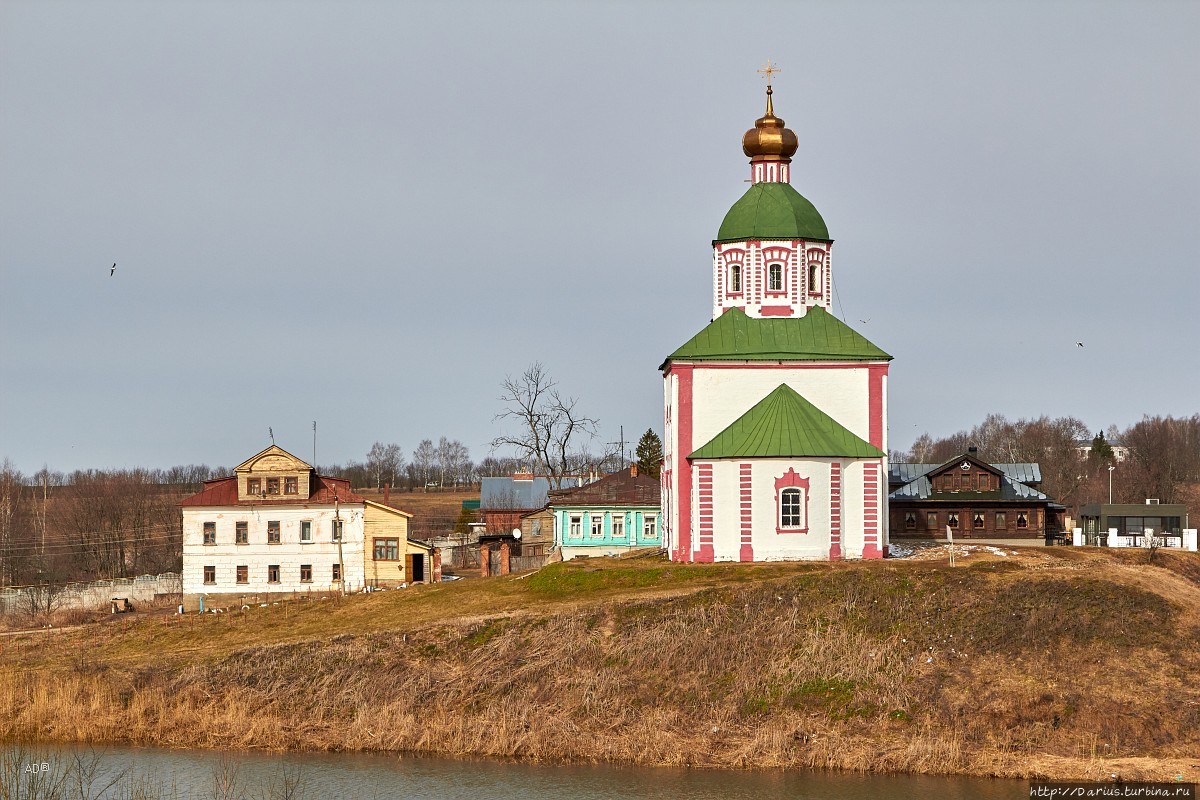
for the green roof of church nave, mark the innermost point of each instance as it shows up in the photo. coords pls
(785, 425)
(772, 211)
(816, 336)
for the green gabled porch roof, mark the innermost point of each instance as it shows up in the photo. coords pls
(785, 425)
(816, 336)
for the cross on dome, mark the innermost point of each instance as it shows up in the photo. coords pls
(768, 71)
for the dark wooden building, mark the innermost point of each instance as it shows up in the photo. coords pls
(974, 499)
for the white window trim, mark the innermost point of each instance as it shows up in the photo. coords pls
(618, 519)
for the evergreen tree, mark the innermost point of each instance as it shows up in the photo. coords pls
(1101, 449)
(465, 517)
(649, 454)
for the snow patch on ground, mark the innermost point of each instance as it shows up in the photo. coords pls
(928, 551)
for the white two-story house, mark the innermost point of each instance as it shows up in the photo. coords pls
(274, 527)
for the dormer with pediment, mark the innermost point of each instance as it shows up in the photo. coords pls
(274, 474)
(965, 473)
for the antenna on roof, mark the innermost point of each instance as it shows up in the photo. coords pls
(314, 444)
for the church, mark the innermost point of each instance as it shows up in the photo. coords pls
(776, 412)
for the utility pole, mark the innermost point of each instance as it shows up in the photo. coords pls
(337, 527)
(1110, 472)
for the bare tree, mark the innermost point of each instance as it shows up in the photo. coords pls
(12, 543)
(549, 426)
(423, 460)
(453, 461)
(384, 461)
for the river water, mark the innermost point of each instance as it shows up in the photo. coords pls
(200, 775)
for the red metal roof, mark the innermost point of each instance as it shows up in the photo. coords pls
(618, 489)
(223, 492)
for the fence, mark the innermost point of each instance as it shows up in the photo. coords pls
(92, 596)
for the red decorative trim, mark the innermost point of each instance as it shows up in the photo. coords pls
(871, 510)
(747, 516)
(756, 365)
(835, 511)
(777, 311)
(790, 480)
(704, 511)
(875, 376)
(683, 474)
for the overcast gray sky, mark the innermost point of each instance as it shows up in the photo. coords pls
(368, 213)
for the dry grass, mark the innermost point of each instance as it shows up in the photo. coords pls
(1057, 663)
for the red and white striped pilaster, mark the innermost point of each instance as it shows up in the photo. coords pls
(704, 480)
(747, 517)
(835, 511)
(770, 172)
(871, 511)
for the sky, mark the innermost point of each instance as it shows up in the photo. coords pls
(368, 214)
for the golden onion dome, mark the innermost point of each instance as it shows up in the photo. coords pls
(769, 140)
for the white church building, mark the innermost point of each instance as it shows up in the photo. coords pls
(776, 412)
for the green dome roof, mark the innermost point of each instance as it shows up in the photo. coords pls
(772, 211)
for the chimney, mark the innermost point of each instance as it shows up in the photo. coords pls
(973, 450)
(633, 470)
(387, 491)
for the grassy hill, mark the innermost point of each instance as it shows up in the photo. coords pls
(1053, 662)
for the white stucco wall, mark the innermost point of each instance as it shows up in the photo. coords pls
(767, 542)
(720, 395)
(723, 392)
(257, 555)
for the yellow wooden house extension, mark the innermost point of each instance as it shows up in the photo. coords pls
(392, 558)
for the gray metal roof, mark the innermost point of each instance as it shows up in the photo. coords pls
(922, 489)
(511, 493)
(906, 473)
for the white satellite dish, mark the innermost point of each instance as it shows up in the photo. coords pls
(516, 533)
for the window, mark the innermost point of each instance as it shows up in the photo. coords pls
(273, 532)
(618, 526)
(775, 278)
(814, 278)
(977, 519)
(272, 485)
(241, 534)
(910, 520)
(291, 485)
(650, 527)
(210, 533)
(305, 530)
(1022, 519)
(1001, 521)
(984, 482)
(791, 501)
(210, 574)
(791, 512)
(337, 573)
(335, 529)
(387, 549)
(243, 573)
(273, 573)
(597, 526)
(576, 528)
(306, 573)
(931, 520)
(735, 279)
(952, 519)
(253, 486)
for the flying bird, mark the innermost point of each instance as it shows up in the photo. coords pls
(113, 271)
(1080, 344)
(865, 321)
